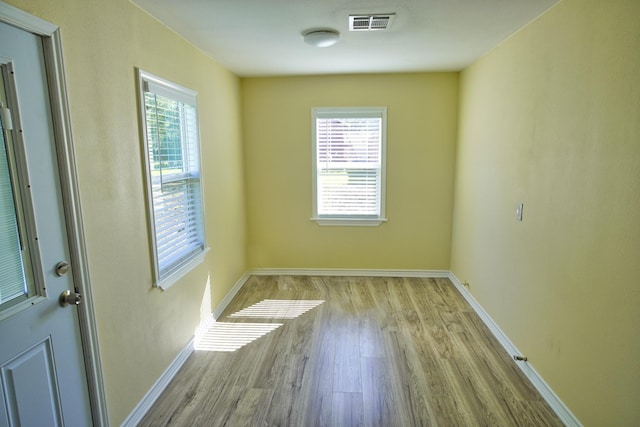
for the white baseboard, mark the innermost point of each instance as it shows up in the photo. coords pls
(156, 390)
(347, 272)
(565, 415)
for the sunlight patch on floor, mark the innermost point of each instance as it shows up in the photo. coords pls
(278, 309)
(231, 336)
(225, 336)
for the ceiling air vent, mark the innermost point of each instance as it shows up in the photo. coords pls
(370, 22)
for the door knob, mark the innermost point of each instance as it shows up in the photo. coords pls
(68, 297)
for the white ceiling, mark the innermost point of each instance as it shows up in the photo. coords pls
(264, 37)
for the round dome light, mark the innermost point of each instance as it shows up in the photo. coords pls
(321, 38)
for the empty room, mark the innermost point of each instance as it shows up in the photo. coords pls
(335, 213)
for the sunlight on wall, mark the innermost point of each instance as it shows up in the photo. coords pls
(231, 336)
(205, 306)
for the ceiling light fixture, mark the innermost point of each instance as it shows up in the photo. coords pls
(321, 38)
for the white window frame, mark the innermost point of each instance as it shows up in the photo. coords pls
(21, 204)
(166, 275)
(349, 112)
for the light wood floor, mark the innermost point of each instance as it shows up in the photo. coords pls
(377, 352)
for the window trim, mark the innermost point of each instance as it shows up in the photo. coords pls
(148, 82)
(349, 220)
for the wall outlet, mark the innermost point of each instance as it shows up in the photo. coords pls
(519, 211)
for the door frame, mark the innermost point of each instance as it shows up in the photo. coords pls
(52, 45)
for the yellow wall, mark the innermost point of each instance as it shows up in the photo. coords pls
(141, 329)
(551, 118)
(421, 123)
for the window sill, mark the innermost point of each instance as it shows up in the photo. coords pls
(168, 281)
(349, 222)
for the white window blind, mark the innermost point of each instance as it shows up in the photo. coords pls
(349, 165)
(172, 155)
(12, 275)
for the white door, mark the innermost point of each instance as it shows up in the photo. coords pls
(42, 373)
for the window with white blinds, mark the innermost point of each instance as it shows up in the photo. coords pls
(172, 154)
(349, 146)
(13, 283)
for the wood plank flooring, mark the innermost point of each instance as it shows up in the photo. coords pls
(377, 352)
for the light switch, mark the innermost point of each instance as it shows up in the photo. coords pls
(519, 211)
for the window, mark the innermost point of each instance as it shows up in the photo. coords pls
(14, 284)
(172, 160)
(21, 276)
(349, 146)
